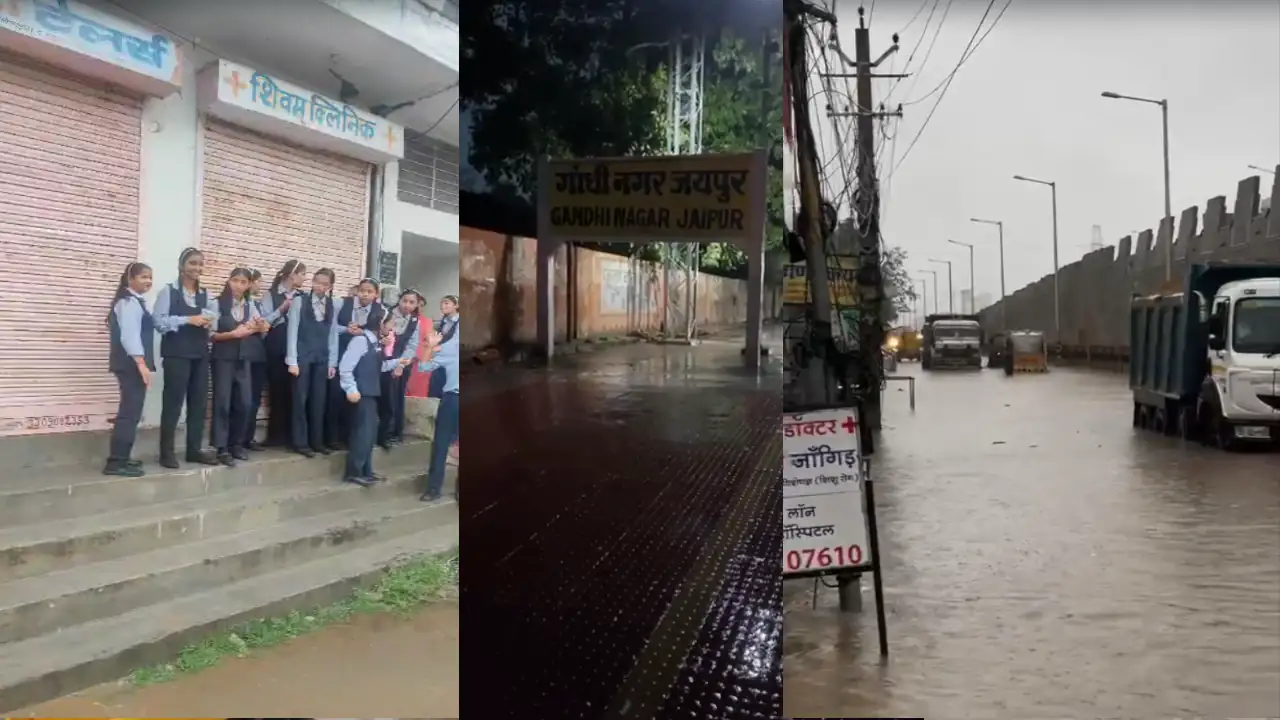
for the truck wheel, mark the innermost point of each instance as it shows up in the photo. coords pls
(926, 362)
(1217, 430)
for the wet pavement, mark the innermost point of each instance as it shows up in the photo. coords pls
(372, 666)
(620, 534)
(1044, 559)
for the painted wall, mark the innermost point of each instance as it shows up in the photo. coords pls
(430, 273)
(614, 295)
(401, 217)
(1094, 292)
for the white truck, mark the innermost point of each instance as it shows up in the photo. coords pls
(1205, 362)
(951, 341)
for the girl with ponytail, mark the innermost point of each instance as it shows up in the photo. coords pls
(236, 344)
(132, 361)
(276, 304)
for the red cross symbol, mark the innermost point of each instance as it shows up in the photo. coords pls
(850, 425)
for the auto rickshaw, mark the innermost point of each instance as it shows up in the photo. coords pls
(1027, 353)
(904, 343)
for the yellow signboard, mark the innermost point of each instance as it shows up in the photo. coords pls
(841, 277)
(694, 197)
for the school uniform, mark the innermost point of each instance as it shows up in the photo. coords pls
(447, 327)
(447, 415)
(338, 418)
(360, 370)
(391, 399)
(257, 380)
(231, 380)
(313, 348)
(279, 383)
(132, 331)
(185, 351)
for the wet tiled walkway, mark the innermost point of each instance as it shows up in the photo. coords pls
(619, 534)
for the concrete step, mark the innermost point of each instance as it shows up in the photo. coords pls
(55, 664)
(59, 600)
(53, 546)
(74, 490)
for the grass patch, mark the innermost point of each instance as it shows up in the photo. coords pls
(405, 588)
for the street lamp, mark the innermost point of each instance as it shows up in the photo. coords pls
(1057, 300)
(1168, 205)
(934, 273)
(951, 289)
(973, 301)
(924, 286)
(1004, 305)
(1261, 169)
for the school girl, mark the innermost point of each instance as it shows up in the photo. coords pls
(183, 315)
(236, 344)
(276, 303)
(355, 314)
(258, 367)
(445, 358)
(446, 327)
(360, 375)
(132, 361)
(312, 358)
(404, 325)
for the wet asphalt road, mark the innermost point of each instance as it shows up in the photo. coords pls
(1044, 559)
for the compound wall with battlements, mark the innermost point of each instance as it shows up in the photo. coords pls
(1096, 290)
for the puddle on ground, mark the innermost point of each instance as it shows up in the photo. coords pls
(373, 666)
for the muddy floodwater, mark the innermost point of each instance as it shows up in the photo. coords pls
(1044, 559)
(373, 666)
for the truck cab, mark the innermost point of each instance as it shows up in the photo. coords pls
(1243, 326)
(951, 341)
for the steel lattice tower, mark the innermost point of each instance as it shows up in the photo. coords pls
(684, 137)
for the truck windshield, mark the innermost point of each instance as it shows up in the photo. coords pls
(947, 333)
(1257, 326)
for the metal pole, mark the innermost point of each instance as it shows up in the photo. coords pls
(1168, 204)
(1004, 304)
(951, 290)
(973, 299)
(1057, 297)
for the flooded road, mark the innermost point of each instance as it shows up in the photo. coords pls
(373, 666)
(1044, 559)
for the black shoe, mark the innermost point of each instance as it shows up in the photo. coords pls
(169, 461)
(239, 453)
(333, 447)
(430, 497)
(203, 458)
(253, 446)
(377, 478)
(385, 446)
(133, 463)
(122, 468)
(305, 452)
(395, 441)
(226, 459)
(323, 450)
(362, 482)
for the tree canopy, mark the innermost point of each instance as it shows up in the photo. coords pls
(588, 78)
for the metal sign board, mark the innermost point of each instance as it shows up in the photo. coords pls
(841, 278)
(824, 517)
(639, 199)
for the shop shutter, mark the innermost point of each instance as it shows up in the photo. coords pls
(70, 156)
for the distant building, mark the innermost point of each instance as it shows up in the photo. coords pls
(964, 303)
(984, 300)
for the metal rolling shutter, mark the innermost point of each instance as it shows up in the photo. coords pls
(70, 156)
(266, 201)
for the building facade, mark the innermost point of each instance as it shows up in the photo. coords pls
(135, 129)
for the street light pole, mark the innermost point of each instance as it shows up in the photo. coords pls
(1168, 202)
(1057, 297)
(934, 273)
(924, 286)
(1004, 304)
(951, 289)
(973, 299)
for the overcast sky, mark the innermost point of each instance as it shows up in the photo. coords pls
(1028, 103)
